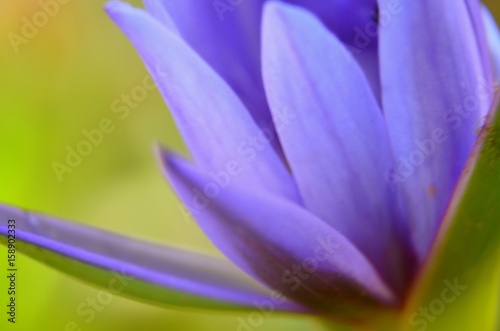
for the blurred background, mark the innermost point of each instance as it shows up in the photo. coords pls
(61, 81)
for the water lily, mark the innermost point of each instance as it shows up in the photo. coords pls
(327, 137)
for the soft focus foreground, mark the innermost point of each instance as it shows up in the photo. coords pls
(77, 84)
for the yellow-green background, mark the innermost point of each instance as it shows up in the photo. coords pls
(61, 82)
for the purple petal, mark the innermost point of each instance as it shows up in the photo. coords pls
(278, 242)
(355, 24)
(185, 278)
(434, 93)
(157, 9)
(493, 36)
(476, 16)
(227, 37)
(215, 124)
(337, 146)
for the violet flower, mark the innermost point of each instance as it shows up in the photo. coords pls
(326, 149)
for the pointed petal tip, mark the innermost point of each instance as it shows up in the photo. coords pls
(281, 12)
(271, 7)
(118, 11)
(276, 9)
(159, 151)
(115, 5)
(278, 15)
(168, 159)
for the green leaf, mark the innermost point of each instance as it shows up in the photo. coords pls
(458, 287)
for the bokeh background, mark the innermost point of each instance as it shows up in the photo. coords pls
(65, 79)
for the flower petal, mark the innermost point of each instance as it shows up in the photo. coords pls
(279, 243)
(157, 9)
(476, 16)
(355, 24)
(434, 93)
(227, 37)
(215, 124)
(145, 271)
(337, 147)
(493, 34)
